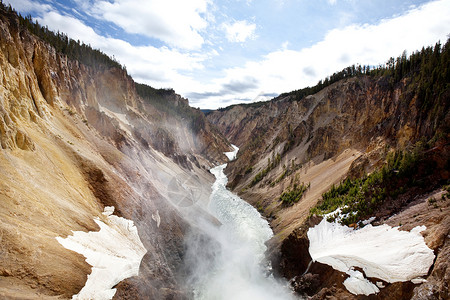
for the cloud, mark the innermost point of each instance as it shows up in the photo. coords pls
(309, 71)
(345, 58)
(204, 95)
(241, 86)
(178, 23)
(72, 27)
(332, 2)
(286, 69)
(159, 67)
(28, 6)
(239, 31)
(285, 45)
(232, 87)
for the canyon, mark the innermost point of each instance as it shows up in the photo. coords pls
(77, 140)
(316, 141)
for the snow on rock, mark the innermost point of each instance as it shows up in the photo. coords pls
(108, 210)
(368, 221)
(232, 154)
(357, 284)
(380, 251)
(115, 253)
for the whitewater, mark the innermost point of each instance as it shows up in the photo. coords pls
(236, 269)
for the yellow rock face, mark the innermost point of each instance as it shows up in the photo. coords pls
(74, 139)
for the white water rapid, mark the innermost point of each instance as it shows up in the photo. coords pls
(229, 263)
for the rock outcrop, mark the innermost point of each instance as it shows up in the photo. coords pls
(74, 139)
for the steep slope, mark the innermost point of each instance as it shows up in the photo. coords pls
(294, 148)
(342, 122)
(77, 138)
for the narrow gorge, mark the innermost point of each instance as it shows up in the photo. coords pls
(111, 189)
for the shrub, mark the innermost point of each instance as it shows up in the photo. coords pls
(359, 198)
(294, 194)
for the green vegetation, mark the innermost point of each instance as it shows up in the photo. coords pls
(446, 189)
(164, 101)
(360, 198)
(157, 95)
(446, 192)
(287, 170)
(294, 193)
(348, 72)
(428, 68)
(271, 164)
(252, 104)
(290, 140)
(432, 201)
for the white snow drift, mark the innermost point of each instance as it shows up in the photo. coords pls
(115, 253)
(380, 251)
(232, 154)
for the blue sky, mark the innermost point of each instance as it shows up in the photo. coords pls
(220, 52)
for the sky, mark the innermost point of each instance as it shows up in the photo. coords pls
(222, 52)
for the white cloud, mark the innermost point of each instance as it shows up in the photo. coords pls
(28, 6)
(159, 67)
(332, 2)
(176, 22)
(239, 31)
(286, 70)
(74, 28)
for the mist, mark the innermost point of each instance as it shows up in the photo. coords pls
(227, 261)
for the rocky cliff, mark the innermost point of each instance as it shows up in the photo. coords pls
(295, 148)
(77, 138)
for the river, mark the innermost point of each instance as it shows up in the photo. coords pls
(232, 265)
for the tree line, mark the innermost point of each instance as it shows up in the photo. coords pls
(429, 68)
(163, 100)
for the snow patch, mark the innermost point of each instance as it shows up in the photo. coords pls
(232, 154)
(380, 251)
(108, 210)
(368, 221)
(418, 280)
(115, 253)
(357, 284)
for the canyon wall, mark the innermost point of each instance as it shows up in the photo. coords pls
(74, 139)
(346, 130)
